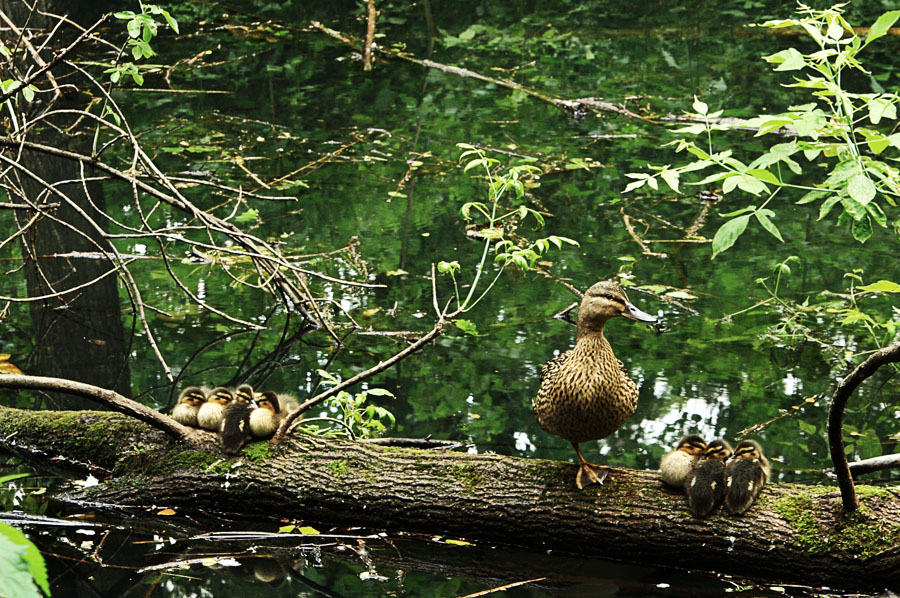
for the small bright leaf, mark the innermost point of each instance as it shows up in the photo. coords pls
(764, 217)
(728, 233)
(308, 531)
(458, 542)
(861, 188)
(882, 286)
(882, 25)
(166, 512)
(248, 216)
(286, 529)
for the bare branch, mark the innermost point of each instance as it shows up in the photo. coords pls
(836, 414)
(108, 398)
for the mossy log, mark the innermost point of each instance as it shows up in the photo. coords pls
(794, 533)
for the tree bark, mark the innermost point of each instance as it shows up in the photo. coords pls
(794, 533)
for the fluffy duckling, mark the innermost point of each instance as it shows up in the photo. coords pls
(747, 473)
(234, 428)
(676, 465)
(265, 419)
(189, 402)
(705, 485)
(210, 414)
(586, 394)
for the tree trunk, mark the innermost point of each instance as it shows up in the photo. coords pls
(794, 533)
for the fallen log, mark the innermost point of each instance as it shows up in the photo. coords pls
(795, 533)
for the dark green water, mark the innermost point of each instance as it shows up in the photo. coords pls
(297, 96)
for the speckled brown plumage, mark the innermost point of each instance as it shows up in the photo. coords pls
(586, 394)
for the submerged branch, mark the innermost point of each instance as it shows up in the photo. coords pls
(576, 107)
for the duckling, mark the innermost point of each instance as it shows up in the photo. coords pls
(676, 465)
(586, 394)
(747, 473)
(235, 425)
(705, 485)
(189, 402)
(264, 420)
(210, 414)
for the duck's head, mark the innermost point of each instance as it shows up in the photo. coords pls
(244, 394)
(193, 396)
(605, 300)
(717, 450)
(269, 400)
(692, 445)
(220, 395)
(749, 450)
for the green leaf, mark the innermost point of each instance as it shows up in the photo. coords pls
(12, 476)
(20, 564)
(248, 216)
(787, 60)
(286, 529)
(749, 184)
(466, 326)
(738, 212)
(861, 188)
(134, 28)
(882, 286)
(764, 216)
(728, 233)
(379, 392)
(700, 107)
(308, 531)
(764, 175)
(814, 195)
(671, 178)
(827, 205)
(862, 229)
(881, 26)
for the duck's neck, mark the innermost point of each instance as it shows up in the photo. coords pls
(594, 330)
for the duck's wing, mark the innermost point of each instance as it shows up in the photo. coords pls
(552, 366)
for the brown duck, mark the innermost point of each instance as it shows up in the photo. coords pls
(585, 393)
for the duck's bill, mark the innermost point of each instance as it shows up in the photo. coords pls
(633, 313)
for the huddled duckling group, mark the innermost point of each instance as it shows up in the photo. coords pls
(714, 473)
(237, 415)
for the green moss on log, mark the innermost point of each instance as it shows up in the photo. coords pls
(856, 534)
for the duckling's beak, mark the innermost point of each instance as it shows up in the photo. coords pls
(633, 313)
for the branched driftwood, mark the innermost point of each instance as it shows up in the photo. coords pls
(836, 415)
(577, 107)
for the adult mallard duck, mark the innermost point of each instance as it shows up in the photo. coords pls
(234, 429)
(585, 393)
(677, 465)
(189, 402)
(705, 485)
(746, 474)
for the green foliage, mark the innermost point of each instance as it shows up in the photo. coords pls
(354, 417)
(497, 223)
(22, 569)
(142, 28)
(861, 177)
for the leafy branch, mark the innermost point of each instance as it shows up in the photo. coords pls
(830, 128)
